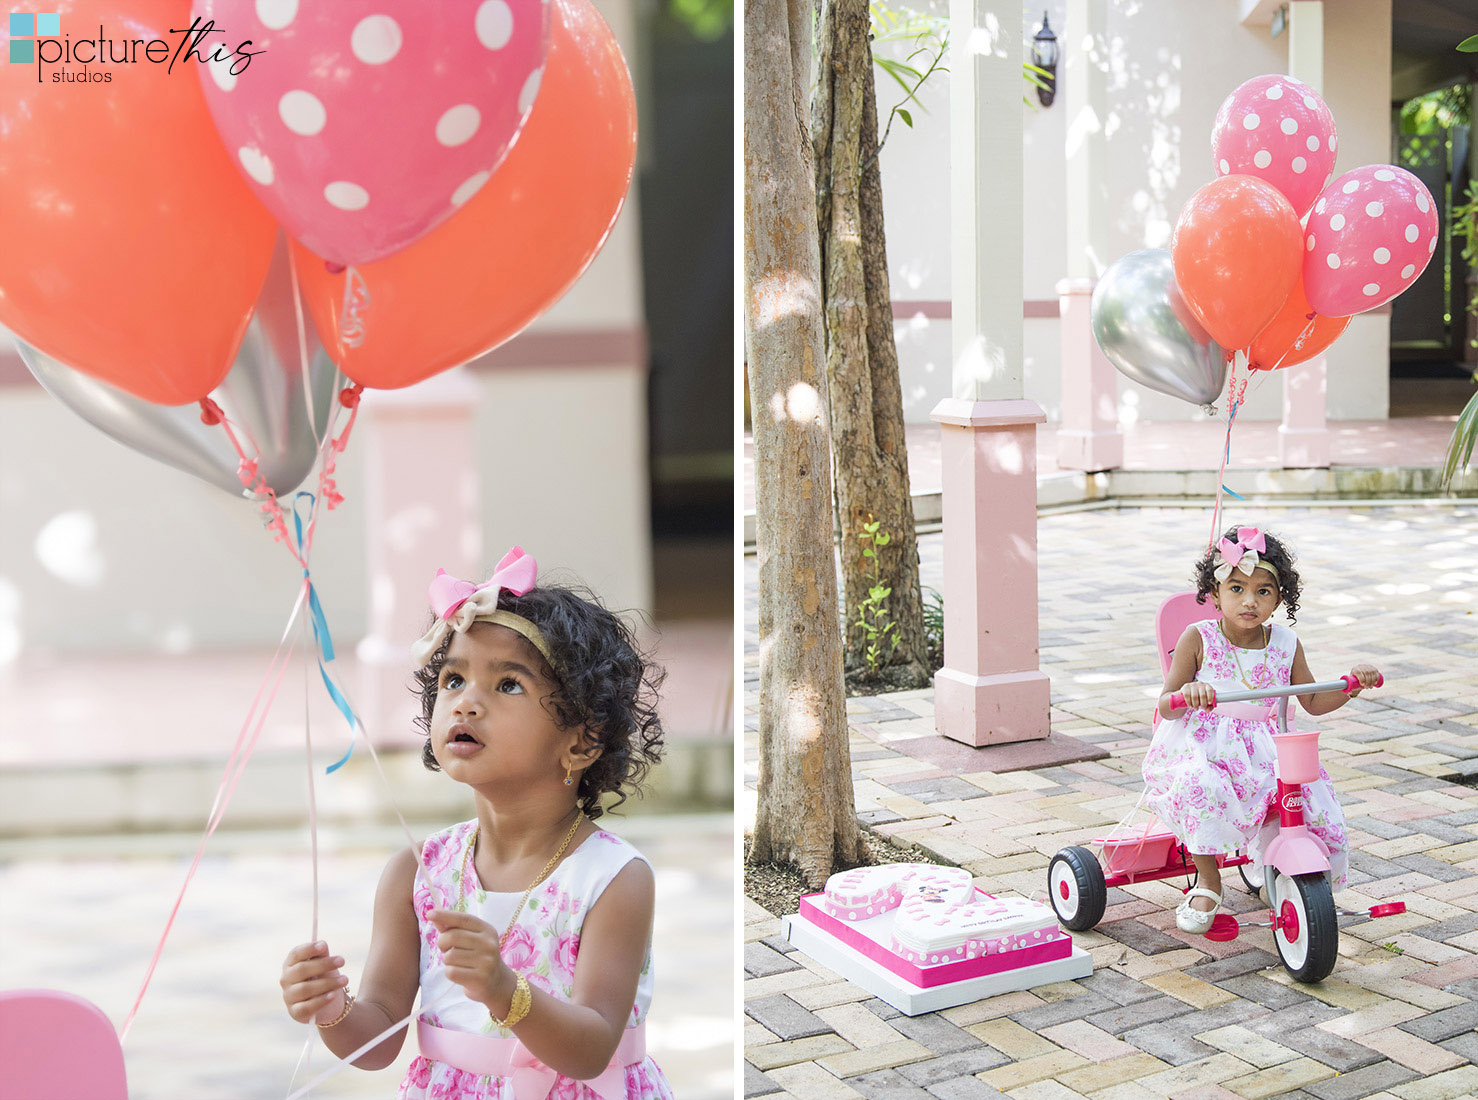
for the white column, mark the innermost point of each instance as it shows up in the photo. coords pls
(990, 689)
(1088, 436)
(1303, 437)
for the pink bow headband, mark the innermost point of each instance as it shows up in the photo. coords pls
(458, 604)
(1243, 554)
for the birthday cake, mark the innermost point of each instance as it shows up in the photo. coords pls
(928, 931)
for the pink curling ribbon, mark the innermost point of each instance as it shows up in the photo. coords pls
(1237, 393)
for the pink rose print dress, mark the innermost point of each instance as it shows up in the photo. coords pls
(1211, 779)
(543, 947)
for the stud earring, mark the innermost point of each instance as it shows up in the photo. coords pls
(568, 781)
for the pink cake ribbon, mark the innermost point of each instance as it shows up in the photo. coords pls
(531, 1078)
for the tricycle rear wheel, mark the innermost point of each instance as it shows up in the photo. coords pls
(1076, 888)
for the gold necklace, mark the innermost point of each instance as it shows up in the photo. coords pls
(517, 909)
(1266, 641)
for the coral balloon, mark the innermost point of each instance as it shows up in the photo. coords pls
(1276, 129)
(364, 123)
(131, 247)
(1371, 234)
(1236, 255)
(515, 247)
(1295, 335)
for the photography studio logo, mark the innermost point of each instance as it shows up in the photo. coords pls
(36, 38)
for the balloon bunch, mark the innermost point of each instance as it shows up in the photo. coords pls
(444, 172)
(1270, 259)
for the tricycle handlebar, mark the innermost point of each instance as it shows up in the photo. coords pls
(1344, 683)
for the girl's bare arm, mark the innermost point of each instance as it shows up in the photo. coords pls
(1322, 702)
(391, 975)
(1182, 673)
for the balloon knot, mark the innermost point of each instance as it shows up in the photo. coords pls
(349, 398)
(210, 412)
(333, 268)
(1309, 316)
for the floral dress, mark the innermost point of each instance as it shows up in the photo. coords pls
(543, 947)
(1212, 779)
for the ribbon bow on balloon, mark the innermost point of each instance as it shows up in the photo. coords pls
(458, 603)
(1242, 554)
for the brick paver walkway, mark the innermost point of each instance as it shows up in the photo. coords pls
(1166, 1014)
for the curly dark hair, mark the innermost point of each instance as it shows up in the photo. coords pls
(606, 684)
(1279, 556)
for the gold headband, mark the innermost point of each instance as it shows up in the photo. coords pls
(522, 626)
(482, 606)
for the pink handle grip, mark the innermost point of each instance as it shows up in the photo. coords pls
(1177, 700)
(1352, 684)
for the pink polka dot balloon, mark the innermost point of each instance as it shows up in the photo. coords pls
(362, 124)
(1369, 236)
(1277, 129)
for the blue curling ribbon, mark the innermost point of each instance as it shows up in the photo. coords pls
(1232, 492)
(324, 641)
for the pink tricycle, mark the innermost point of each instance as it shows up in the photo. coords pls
(1295, 865)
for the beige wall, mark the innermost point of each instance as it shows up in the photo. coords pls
(1169, 65)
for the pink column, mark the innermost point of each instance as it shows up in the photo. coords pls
(1303, 437)
(1088, 438)
(421, 514)
(990, 689)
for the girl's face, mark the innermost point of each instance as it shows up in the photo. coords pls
(1247, 602)
(490, 724)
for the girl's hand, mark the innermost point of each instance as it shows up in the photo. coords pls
(1368, 675)
(1198, 695)
(470, 947)
(312, 986)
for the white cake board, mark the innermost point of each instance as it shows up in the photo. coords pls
(914, 1000)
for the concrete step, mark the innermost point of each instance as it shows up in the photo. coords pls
(164, 795)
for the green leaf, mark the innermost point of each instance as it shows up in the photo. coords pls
(1464, 436)
(1469, 45)
(907, 118)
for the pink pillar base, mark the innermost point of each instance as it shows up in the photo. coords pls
(1089, 436)
(1303, 437)
(990, 689)
(992, 710)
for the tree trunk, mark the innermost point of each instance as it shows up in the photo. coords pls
(871, 459)
(806, 813)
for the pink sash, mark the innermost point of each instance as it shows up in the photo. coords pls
(531, 1078)
(1251, 712)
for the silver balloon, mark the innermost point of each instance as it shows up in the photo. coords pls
(1146, 329)
(263, 396)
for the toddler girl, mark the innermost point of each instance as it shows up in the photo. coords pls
(526, 930)
(1210, 773)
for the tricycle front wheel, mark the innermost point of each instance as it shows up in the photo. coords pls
(1076, 887)
(1307, 932)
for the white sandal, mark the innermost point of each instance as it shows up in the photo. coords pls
(1194, 920)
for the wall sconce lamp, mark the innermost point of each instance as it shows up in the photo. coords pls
(1045, 53)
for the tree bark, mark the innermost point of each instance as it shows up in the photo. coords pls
(806, 813)
(866, 399)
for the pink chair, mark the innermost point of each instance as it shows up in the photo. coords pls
(57, 1046)
(1176, 613)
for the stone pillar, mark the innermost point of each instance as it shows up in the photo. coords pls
(1088, 437)
(1303, 437)
(990, 689)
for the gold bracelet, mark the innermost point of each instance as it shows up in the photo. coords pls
(348, 1004)
(518, 1007)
